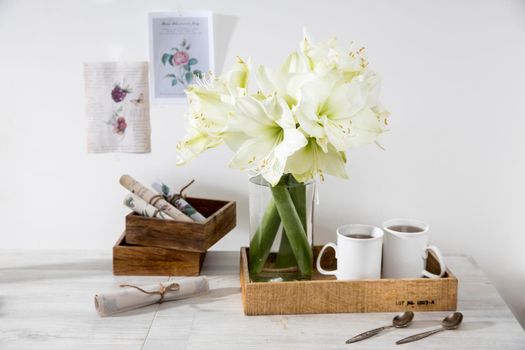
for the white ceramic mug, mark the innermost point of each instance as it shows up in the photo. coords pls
(357, 258)
(405, 253)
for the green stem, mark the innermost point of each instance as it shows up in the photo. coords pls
(286, 257)
(294, 229)
(262, 241)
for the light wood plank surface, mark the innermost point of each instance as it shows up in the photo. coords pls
(46, 302)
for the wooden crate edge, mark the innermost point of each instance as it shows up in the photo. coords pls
(244, 278)
(188, 265)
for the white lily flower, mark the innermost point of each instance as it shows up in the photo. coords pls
(324, 56)
(327, 107)
(263, 135)
(311, 161)
(197, 140)
(321, 57)
(211, 103)
(304, 116)
(288, 80)
(237, 78)
(353, 64)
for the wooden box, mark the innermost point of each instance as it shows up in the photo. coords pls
(324, 294)
(135, 260)
(188, 236)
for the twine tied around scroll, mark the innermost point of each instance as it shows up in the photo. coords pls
(176, 196)
(154, 201)
(162, 289)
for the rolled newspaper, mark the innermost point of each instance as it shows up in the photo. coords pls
(152, 198)
(178, 201)
(139, 206)
(131, 297)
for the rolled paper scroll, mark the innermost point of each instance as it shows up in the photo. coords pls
(152, 198)
(131, 297)
(178, 201)
(139, 206)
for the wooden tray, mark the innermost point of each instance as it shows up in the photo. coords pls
(324, 294)
(153, 261)
(188, 236)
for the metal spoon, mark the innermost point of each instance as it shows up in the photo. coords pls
(450, 322)
(400, 321)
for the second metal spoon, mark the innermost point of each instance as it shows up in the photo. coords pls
(450, 322)
(400, 321)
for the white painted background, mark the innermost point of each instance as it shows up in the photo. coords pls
(453, 77)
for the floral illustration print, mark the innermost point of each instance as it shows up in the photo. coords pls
(180, 59)
(118, 94)
(118, 122)
(119, 126)
(139, 100)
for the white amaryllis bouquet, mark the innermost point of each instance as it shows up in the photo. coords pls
(297, 126)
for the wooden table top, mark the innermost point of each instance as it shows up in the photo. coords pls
(46, 302)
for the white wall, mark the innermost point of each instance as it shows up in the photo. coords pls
(453, 79)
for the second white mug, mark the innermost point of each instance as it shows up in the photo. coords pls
(358, 253)
(406, 248)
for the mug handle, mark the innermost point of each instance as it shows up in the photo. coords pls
(440, 259)
(319, 268)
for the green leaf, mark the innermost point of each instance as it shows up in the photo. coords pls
(174, 82)
(129, 202)
(262, 241)
(189, 77)
(170, 76)
(294, 229)
(171, 60)
(186, 67)
(197, 73)
(165, 189)
(165, 58)
(192, 61)
(285, 256)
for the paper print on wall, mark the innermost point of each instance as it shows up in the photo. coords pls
(117, 107)
(181, 51)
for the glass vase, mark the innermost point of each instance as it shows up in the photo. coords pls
(281, 229)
